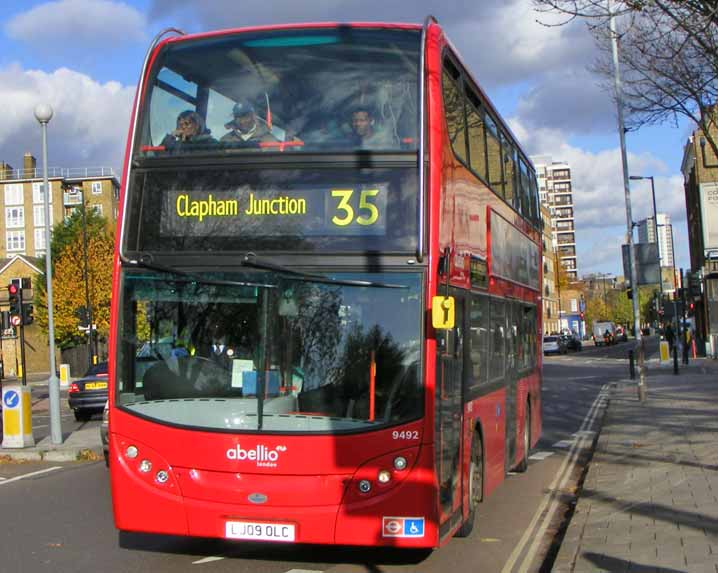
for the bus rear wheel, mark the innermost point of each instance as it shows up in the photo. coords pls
(526, 439)
(476, 485)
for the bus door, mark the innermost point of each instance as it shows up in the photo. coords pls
(513, 317)
(449, 378)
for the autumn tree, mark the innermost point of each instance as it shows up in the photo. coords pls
(668, 56)
(68, 284)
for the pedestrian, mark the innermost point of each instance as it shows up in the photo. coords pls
(669, 336)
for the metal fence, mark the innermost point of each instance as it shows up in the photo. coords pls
(66, 172)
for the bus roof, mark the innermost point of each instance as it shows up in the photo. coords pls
(300, 26)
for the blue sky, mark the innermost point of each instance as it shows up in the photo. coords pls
(84, 58)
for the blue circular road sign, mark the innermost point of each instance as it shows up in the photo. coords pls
(11, 398)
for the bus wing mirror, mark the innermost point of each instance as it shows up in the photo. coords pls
(443, 312)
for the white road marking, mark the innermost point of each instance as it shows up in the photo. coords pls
(303, 571)
(563, 444)
(207, 560)
(540, 455)
(31, 474)
(549, 500)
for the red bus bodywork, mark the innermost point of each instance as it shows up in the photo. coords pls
(312, 481)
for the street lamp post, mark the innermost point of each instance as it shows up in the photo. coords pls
(88, 305)
(642, 387)
(43, 114)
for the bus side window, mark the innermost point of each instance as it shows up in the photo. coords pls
(497, 339)
(526, 208)
(479, 328)
(477, 137)
(454, 112)
(493, 145)
(509, 159)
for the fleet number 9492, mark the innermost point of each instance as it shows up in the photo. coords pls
(405, 435)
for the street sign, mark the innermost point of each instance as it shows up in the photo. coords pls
(15, 320)
(648, 272)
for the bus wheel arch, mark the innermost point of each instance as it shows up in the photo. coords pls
(476, 481)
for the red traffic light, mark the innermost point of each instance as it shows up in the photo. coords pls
(12, 289)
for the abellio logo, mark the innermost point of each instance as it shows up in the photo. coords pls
(261, 454)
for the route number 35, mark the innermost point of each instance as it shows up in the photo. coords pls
(368, 211)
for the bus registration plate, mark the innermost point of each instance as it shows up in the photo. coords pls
(262, 531)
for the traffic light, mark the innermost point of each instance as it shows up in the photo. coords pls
(15, 299)
(629, 293)
(580, 315)
(27, 316)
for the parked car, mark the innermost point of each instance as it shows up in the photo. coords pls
(88, 395)
(104, 433)
(572, 342)
(554, 344)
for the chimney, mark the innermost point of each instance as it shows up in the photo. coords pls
(5, 170)
(29, 164)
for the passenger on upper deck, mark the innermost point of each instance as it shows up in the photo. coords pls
(244, 127)
(366, 134)
(190, 130)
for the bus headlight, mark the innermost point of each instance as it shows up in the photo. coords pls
(364, 486)
(145, 466)
(162, 476)
(131, 452)
(400, 463)
(384, 476)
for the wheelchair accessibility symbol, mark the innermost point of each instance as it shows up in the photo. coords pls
(403, 527)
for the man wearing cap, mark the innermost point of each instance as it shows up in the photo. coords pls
(244, 127)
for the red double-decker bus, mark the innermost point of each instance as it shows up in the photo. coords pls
(325, 320)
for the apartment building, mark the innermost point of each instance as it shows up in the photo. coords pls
(556, 192)
(23, 223)
(22, 232)
(664, 237)
(550, 287)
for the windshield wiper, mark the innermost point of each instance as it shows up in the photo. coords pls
(251, 260)
(145, 261)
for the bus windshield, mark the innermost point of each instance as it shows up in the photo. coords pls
(331, 89)
(264, 351)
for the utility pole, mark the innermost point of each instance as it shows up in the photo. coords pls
(43, 114)
(627, 194)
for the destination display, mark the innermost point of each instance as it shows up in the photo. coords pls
(266, 209)
(246, 212)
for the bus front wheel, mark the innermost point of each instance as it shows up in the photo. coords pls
(476, 485)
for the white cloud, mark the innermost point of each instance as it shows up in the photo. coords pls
(97, 22)
(89, 126)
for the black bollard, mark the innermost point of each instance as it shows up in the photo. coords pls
(675, 359)
(631, 365)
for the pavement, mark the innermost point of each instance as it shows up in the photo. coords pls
(649, 500)
(82, 443)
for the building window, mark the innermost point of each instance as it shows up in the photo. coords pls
(37, 192)
(574, 305)
(14, 217)
(38, 215)
(39, 242)
(97, 187)
(15, 241)
(97, 208)
(13, 194)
